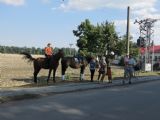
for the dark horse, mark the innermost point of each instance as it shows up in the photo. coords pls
(40, 62)
(71, 62)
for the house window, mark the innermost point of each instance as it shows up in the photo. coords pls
(151, 57)
(155, 58)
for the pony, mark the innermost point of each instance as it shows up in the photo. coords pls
(39, 63)
(75, 64)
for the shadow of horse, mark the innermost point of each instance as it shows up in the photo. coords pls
(39, 63)
(41, 81)
(71, 62)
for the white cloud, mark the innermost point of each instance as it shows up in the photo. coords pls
(140, 9)
(13, 2)
(97, 4)
(134, 29)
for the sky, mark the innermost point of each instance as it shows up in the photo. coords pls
(34, 23)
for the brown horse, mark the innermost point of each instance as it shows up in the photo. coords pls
(71, 62)
(40, 63)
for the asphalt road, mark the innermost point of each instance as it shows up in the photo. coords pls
(132, 102)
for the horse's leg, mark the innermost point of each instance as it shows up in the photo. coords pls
(49, 74)
(36, 71)
(54, 74)
(64, 68)
(82, 73)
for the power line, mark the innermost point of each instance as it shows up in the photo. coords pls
(146, 32)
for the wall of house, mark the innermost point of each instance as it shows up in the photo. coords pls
(156, 58)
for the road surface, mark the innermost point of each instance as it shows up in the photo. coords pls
(131, 102)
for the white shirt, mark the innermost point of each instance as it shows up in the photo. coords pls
(126, 59)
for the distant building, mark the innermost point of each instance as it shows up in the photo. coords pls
(154, 52)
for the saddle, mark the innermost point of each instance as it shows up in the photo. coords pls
(78, 61)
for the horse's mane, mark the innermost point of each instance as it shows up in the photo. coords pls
(58, 54)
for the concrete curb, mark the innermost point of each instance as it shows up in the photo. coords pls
(7, 95)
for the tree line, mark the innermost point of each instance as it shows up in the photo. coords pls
(34, 50)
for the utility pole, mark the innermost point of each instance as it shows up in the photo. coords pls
(146, 32)
(128, 27)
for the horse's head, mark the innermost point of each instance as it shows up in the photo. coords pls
(89, 58)
(60, 53)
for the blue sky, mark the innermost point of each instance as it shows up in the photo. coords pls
(34, 23)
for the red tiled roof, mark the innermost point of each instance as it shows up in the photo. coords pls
(155, 48)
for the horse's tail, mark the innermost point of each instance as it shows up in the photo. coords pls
(28, 56)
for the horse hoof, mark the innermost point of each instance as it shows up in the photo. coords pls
(129, 82)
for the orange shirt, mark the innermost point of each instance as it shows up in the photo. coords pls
(48, 50)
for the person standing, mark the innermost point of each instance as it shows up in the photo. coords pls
(92, 67)
(102, 70)
(131, 63)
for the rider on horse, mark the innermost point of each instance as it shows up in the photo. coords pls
(48, 52)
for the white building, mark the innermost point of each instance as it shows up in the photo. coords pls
(153, 54)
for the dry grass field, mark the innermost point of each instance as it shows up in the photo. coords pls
(17, 72)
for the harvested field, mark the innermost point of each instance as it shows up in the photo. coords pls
(17, 72)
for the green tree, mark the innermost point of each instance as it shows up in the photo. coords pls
(121, 46)
(96, 39)
(84, 33)
(109, 37)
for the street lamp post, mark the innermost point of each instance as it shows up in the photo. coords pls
(128, 28)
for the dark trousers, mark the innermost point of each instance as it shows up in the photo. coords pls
(92, 74)
(101, 75)
(48, 58)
